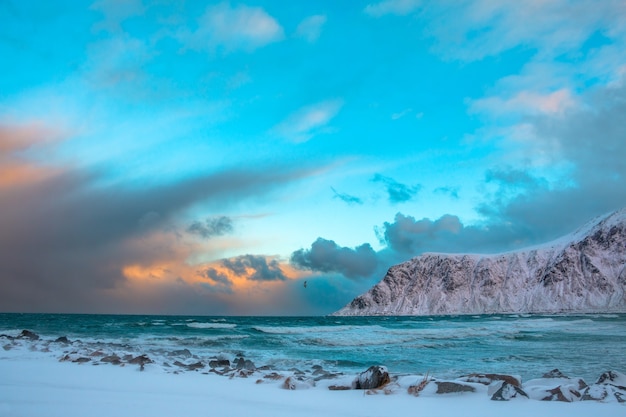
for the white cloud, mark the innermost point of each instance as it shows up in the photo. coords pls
(311, 27)
(397, 7)
(233, 28)
(308, 121)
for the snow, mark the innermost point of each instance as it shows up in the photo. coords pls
(35, 384)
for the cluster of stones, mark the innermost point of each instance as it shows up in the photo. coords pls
(553, 386)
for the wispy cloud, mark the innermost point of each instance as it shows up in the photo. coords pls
(311, 27)
(346, 198)
(525, 102)
(233, 28)
(397, 192)
(309, 121)
(395, 7)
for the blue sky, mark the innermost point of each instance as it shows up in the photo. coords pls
(210, 157)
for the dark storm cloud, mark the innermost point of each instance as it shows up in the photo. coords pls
(66, 236)
(255, 268)
(397, 192)
(346, 198)
(327, 256)
(212, 226)
(218, 281)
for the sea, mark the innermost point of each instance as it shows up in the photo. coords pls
(441, 346)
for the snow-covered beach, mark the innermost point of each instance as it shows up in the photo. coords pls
(32, 384)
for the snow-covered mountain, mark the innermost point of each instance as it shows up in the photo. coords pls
(584, 272)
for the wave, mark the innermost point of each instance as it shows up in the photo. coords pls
(197, 325)
(311, 329)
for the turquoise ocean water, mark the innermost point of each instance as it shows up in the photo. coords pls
(578, 345)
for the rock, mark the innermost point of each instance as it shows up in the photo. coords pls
(375, 377)
(447, 387)
(614, 378)
(487, 379)
(555, 373)
(245, 364)
(508, 392)
(554, 388)
(610, 386)
(190, 367)
(81, 360)
(219, 363)
(27, 334)
(293, 383)
(339, 388)
(186, 353)
(273, 376)
(604, 393)
(63, 339)
(140, 360)
(112, 359)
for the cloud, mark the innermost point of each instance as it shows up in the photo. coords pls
(395, 7)
(400, 115)
(346, 198)
(218, 282)
(311, 27)
(525, 102)
(255, 268)
(309, 121)
(115, 12)
(212, 226)
(398, 192)
(233, 28)
(451, 191)
(85, 231)
(327, 256)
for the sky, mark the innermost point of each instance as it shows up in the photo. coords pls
(200, 157)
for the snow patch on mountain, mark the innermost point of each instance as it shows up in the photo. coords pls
(583, 272)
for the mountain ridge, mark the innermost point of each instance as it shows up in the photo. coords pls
(581, 272)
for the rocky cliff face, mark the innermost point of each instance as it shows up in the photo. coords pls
(582, 272)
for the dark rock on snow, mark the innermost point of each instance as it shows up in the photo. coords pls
(375, 377)
(487, 379)
(447, 387)
(508, 392)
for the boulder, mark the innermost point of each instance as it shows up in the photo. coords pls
(555, 373)
(27, 334)
(63, 339)
(112, 359)
(507, 392)
(375, 377)
(219, 363)
(185, 353)
(555, 388)
(488, 379)
(244, 364)
(447, 387)
(610, 386)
